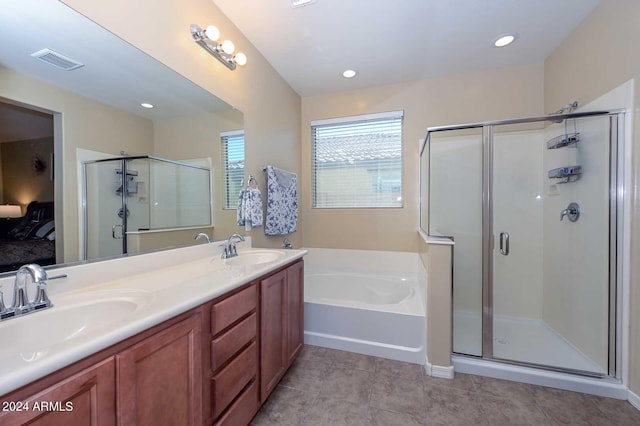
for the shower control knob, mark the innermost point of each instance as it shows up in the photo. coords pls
(572, 212)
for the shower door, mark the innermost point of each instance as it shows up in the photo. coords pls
(549, 243)
(114, 204)
(532, 206)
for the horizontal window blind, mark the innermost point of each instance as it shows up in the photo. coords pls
(357, 163)
(233, 167)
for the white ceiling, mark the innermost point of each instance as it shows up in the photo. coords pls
(389, 41)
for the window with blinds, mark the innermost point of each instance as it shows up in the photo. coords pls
(232, 166)
(357, 161)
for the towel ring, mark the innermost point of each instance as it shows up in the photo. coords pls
(252, 179)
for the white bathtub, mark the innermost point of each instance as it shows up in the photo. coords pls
(369, 302)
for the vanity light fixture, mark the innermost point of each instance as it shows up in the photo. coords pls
(208, 39)
(505, 40)
(146, 105)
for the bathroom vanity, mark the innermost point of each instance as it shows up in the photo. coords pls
(213, 363)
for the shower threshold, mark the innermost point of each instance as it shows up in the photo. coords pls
(605, 386)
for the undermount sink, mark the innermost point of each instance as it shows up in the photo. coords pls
(70, 317)
(254, 257)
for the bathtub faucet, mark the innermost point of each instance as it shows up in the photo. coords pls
(230, 247)
(286, 244)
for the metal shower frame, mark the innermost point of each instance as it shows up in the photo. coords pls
(616, 209)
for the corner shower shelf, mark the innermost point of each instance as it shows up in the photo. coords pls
(566, 174)
(563, 140)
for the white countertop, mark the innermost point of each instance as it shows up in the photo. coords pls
(148, 289)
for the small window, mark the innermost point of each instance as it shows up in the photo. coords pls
(232, 166)
(357, 161)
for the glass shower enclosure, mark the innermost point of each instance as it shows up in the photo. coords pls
(140, 194)
(533, 207)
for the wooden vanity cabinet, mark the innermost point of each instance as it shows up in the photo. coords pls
(234, 358)
(154, 378)
(160, 379)
(215, 364)
(84, 398)
(281, 328)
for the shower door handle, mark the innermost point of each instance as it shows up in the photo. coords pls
(113, 232)
(504, 243)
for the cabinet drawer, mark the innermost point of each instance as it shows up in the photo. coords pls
(243, 410)
(228, 311)
(229, 343)
(233, 378)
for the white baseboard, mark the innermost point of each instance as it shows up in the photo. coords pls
(634, 399)
(438, 371)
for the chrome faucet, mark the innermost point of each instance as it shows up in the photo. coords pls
(21, 304)
(286, 244)
(203, 235)
(230, 247)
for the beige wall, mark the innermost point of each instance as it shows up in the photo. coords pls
(84, 124)
(20, 182)
(486, 95)
(271, 108)
(598, 56)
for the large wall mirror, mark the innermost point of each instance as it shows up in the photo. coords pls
(71, 93)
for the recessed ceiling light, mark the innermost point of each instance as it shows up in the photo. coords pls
(349, 73)
(505, 40)
(298, 3)
(146, 105)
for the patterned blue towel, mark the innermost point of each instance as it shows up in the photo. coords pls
(282, 202)
(250, 208)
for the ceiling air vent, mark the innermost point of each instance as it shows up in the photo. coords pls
(56, 59)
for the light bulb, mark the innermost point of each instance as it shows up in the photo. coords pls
(228, 47)
(212, 32)
(241, 59)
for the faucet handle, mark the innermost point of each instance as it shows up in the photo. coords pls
(20, 303)
(41, 300)
(225, 251)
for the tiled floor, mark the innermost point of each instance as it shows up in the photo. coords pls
(329, 387)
